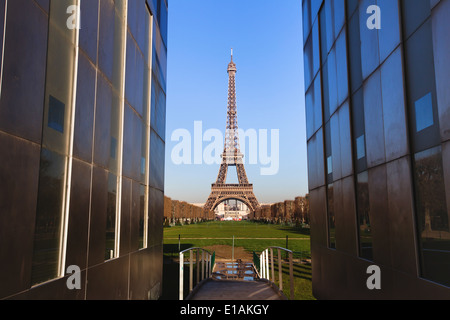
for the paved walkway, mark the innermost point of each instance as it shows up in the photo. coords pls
(235, 281)
(236, 290)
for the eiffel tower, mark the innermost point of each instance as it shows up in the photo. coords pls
(232, 156)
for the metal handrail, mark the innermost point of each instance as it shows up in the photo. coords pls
(207, 265)
(195, 248)
(265, 256)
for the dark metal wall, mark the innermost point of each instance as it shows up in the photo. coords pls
(136, 272)
(377, 120)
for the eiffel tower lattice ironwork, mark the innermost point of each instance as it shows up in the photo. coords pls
(232, 156)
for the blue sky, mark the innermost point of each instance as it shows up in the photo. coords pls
(266, 37)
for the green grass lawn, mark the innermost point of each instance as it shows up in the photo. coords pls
(239, 229)
(252, 236)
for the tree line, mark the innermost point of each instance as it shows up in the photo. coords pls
(289, 211)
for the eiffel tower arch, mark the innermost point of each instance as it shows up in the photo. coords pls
(232, 157)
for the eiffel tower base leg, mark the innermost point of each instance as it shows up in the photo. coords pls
(222, 192)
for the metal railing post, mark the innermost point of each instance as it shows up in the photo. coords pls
(232, 253)
(291, 275)
(209, 266)
(267, 254)
(197, 266)
(203, 265)
(191, 271)
(272, 264)
(280, 270)
(206, 266)
(181, 289)
(263, 260)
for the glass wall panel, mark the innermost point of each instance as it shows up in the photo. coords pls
(331, 217)
(336, 147)
(421, 89)
(145, 132)
(139, 93)
(393, 101)
(316, 47)
(314, 107)
(341, 68)
(309, 107)
(49, 213)
(414, 15)
(159, 62)
(328, 152)
(339, 15)
(325, 93)
(373, 120)
(308, 62)
(351, 6)
(323, 36)
(354, 47)
(370, 57)
(315, 6)
(432, 215)
(329, 22)
(146, 123)
(332, 81)
(345, 138)
(432, 220)
(389, 34)
(57, 124)
(111, 217)
(360, 147)
(142, 216)
(306, 19)
(115, 134)
(163, 18)
(359, 130)
(111, 40)
(423, 108)
(363, 210)
(112, 44)
(330, 193)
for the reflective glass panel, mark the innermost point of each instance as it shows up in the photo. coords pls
(115, 134)
(48, 217)
(329, 165)
(57, 121)
(363, 207)
(432, 215)
(360, 147)
(110, 243)
(331, 218)
(142, 217)
(424, 112)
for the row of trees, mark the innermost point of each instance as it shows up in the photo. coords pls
(181, 212)
(289, 211)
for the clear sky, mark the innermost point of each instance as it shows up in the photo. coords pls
(266, 37)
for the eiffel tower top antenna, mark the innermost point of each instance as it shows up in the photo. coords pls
(232, 148)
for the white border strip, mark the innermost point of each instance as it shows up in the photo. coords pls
(68, 178)
(3, 48)
(149, 111)
(122, 120)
